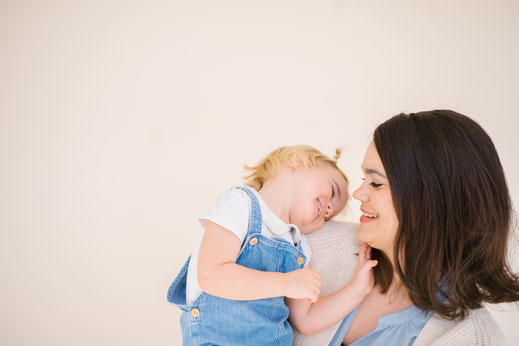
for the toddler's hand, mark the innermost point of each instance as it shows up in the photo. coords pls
(303, 283)
(363, 280)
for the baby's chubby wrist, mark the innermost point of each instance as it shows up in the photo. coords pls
(285, 284)
(288, 284)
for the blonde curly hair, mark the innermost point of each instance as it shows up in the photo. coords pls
(294, 156)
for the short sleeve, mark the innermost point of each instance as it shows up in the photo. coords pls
(306, 249)
(231, 211)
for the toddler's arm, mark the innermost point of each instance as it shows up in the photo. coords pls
(311, 318)
(219, 275)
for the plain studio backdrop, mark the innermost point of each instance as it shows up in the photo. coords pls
(122, 121)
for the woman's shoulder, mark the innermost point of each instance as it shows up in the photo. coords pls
(477, 328)
(334, 248)
(334, 234)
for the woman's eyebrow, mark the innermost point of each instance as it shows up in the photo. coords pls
(373, 171)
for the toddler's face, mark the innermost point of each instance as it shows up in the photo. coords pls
(319, 194)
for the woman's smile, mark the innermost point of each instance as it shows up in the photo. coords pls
(367, 217)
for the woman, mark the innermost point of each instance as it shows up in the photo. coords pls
(437, 214)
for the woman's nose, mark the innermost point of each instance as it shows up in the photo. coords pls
(360, 193)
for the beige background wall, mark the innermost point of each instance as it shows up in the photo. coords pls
(121, 121)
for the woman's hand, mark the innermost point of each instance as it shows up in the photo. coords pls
(303, 283)
(363, 279)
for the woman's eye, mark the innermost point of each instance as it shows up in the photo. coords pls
(373, 183)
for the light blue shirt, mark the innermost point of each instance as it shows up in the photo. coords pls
(399, 328)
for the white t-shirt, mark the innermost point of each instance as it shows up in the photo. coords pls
(232, 211)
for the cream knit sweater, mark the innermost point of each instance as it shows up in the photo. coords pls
(333, 256)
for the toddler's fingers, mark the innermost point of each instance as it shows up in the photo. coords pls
(318, 285)
(370, 264)
(315, 284)
(316, 275)
(363, 253)
(315, 296)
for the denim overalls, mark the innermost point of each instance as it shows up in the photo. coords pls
(211, 320)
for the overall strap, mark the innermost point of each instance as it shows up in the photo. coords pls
(255, 220)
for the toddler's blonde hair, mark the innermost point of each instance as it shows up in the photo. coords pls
(294, 156)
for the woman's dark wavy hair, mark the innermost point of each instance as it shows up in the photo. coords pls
(454, 211)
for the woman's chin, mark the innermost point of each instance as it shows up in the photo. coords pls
(363, 234)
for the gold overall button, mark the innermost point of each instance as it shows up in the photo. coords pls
(300, 260)
(253, 241)
(195, 312)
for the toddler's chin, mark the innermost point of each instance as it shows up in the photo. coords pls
(306, 230)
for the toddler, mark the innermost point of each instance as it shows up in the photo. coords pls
(253, 254)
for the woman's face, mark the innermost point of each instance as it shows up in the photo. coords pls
(378, 223)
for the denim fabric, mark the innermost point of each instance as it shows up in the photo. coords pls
(231, 322)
